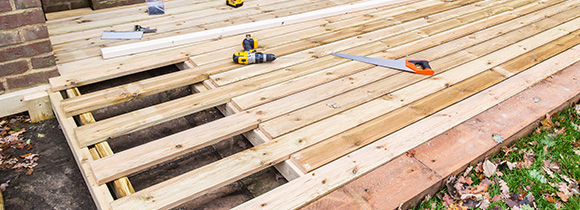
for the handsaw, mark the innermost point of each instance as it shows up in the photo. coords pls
(413, 66)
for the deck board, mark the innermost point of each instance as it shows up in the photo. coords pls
(320, 116)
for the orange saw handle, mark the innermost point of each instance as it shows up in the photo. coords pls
(426, 69)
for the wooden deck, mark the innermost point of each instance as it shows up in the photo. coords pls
(322, 121)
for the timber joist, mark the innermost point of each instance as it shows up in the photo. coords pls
(322, 121)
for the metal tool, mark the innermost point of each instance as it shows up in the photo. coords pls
(235, 3)
(249, 55)
(413, 66)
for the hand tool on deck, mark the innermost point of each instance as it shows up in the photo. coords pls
(144, 29)
(249, 55)
(235, 3)
(413, 66)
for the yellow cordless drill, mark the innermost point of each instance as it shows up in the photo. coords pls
(235, 3)
(249, 55)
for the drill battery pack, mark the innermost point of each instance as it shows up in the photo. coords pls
(235, 3)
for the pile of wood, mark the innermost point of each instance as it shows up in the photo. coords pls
(322, 121)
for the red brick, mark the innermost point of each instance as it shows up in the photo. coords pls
(43, 62)
(59, 5)
(101, 4)
(25, 4)
(24, 51)
(30, 80)
(5, 6)
(27, 17)
(2, 88)
(35, 32)
(9, 38)
(13, 68)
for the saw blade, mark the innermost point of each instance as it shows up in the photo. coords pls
(389, 63)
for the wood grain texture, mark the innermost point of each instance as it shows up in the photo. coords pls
(197, 102)
(238, 29)
(321, 181)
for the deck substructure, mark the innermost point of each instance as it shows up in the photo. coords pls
(322, 121)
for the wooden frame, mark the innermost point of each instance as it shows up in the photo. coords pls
(324, 121)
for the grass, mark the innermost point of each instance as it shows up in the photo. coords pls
(547, 168)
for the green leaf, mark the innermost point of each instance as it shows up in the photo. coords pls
(538, 176)
(526, 207)
(28, 141)
(548, 140)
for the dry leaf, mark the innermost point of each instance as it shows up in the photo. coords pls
(411, 153)
(447, 199)
(489, 168)
(547, 122)
(484, 204)
(504, 189)
(550, 199)
(562, 196)
(554, 166)
(496, 198)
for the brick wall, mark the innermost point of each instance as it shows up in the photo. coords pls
(101, 4)
(60, 5)
(26, 58)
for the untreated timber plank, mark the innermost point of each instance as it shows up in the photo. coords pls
(100, 193)
(288, 169)
(337, 173)
(186, 23)
(320, 154)
(411, 30)
(265, 95)
(127, 92)
(315, 112)
(196, 182)
(512, 119)
(243, 28)
(222, 95)
(98, 70)
(139, 158)
(135, 90)
(121, 186)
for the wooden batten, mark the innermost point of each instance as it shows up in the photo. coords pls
(320, 120)
(239, 29)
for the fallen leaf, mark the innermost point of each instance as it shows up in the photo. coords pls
(411, 153)
(548, 171)
(489, 168)
(562, 196)
(497, 138)
(554, 166)
(484, 204)
(546, 123)
(504, 189)
(575, 127)
(537, 176)
(495, 198)
(29, 171)
(577, 109)
(549, 198)
(447, 199)
(562, 131)
(506, 150)
(467, 170)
